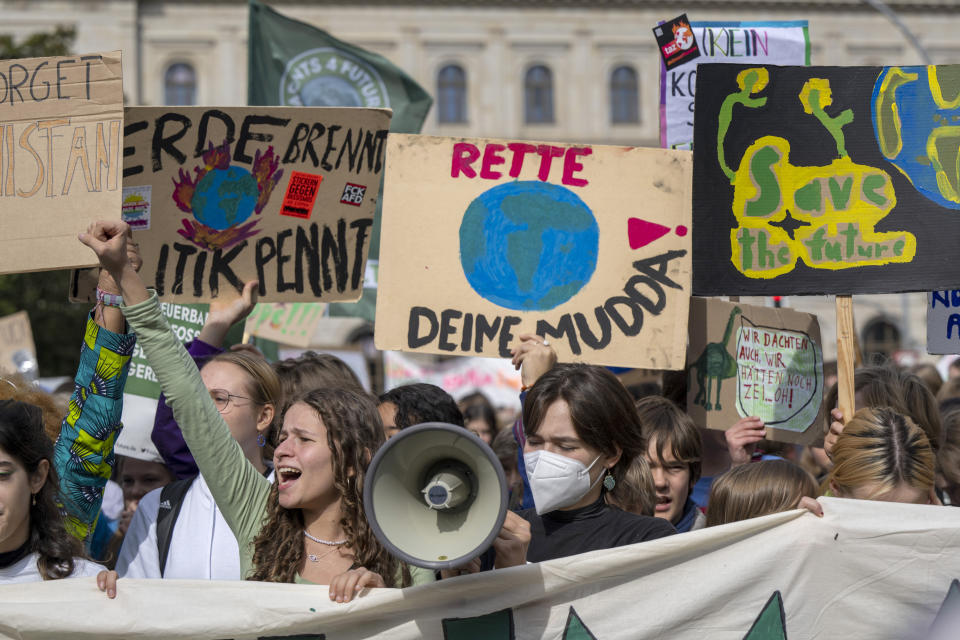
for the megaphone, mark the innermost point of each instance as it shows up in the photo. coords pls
(435, 495)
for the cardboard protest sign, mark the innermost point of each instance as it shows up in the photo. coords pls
(59, 156)
(284, 195)
(292, 323)
(485, 240)
(943, 322)
(142, 389)
(17, 349)
(812, 180)
(746, 360)
(766, 42)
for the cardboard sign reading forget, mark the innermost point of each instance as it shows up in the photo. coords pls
(59, 157)
(241, 193)
(755, 361)
(16, 342)
(587, 246)
(836, 180)
(943, 322)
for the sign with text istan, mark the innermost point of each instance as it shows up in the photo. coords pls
(746, 360)
(60, 140)
(220, 196)
(836, 180)
(485, 240)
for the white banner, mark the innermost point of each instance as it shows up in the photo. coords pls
(866, 570)
(771, 42)
(459, 376)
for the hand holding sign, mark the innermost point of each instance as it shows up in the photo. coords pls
(742, 439)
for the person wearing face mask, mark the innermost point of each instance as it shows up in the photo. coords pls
(309, 526)
(582, 433)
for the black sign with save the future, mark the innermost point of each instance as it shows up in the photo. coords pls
(677, 43)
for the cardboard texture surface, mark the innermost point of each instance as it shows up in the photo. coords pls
(943, 322)
(60, 145)
(16, 341)
(485, 240)
(225, 195)
(755, 361)
(825, 180)
(291, 323)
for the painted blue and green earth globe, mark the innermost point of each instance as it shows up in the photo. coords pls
(225, 197)
(528, 245)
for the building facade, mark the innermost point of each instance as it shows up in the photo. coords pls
(543, 70)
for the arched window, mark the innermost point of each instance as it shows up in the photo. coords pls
(880, 338)
(180, 85)
(624, 96)
(538, 95)
(452, 94)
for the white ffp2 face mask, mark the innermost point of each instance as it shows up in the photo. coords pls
(557, 481)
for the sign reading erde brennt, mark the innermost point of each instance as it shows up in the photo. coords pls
(485, 240)
(220, 196)
(59, 156)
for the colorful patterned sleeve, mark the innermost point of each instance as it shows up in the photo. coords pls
(83, 453)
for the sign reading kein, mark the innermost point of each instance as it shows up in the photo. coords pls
(235, 194)
(755, 361)
(60, 128)
(586, 246)
(825, 179)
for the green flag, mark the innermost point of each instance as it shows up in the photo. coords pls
(294, 64)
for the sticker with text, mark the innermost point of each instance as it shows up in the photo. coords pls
(135, 209)
(676, 41)
(301, 194)
(353, 194)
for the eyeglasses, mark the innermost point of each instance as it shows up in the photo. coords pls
(222, 398)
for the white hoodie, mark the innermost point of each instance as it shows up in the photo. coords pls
(202, 547)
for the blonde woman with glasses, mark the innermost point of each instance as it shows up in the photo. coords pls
(178, 531)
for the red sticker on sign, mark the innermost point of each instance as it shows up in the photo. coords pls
(301, 194)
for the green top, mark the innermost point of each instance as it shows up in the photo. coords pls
(240, 491)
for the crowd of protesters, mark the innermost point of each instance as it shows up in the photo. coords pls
(262, 466)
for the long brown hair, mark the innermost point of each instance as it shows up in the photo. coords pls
(758, 489)
(354, 433)
(22, 436)
(887, 386)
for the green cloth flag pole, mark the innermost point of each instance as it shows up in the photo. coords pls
(295, 64)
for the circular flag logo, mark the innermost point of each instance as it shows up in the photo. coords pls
(328, 77)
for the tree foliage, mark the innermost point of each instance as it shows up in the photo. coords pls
(57, 324)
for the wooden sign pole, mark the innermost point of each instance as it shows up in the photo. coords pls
(846, 356)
